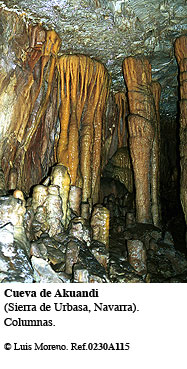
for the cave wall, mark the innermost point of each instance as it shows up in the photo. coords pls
(28, 101)
(110, 30)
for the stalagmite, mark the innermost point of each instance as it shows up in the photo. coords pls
(84, 89)
(12, 179)
(60, 177)
(181, 55)
(100, 224)
(39, 196)
(53, 204)
(75, 195)
(17, 194)
(142, 128)
(141, 139)
(37, 217)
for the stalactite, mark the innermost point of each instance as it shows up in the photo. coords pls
(84, 89)
(181, 55)
(141, 122)
(121, 102)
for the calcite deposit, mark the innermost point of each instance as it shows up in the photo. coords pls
(30, 91)
(143, 132)
(84, 86)
(61, 178)
(100, 224)
(89, 143)
(75, 197)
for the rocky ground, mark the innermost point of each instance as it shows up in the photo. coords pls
(137, 253)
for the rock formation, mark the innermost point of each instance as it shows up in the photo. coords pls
(79, 155)
(30, 90)
(143, 138)
(100, 224)
(84, 89)
(181, 55)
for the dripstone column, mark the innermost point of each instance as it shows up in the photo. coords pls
(142, 132)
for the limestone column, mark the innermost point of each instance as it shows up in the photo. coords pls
(84, 91)
(141, 141)
(141, 122)
(181, 56)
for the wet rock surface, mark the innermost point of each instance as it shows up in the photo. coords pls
(136, 253)
(14, 247)
(112, 30)
(65, 103)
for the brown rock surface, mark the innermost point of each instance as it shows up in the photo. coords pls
(181, 55)
(28, 96)
(84, 89)
(143, 138)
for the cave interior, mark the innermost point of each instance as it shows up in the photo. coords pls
(93, 141)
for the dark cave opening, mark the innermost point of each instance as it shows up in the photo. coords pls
(172, 213)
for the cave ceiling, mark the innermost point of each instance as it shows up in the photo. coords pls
(109, 31)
